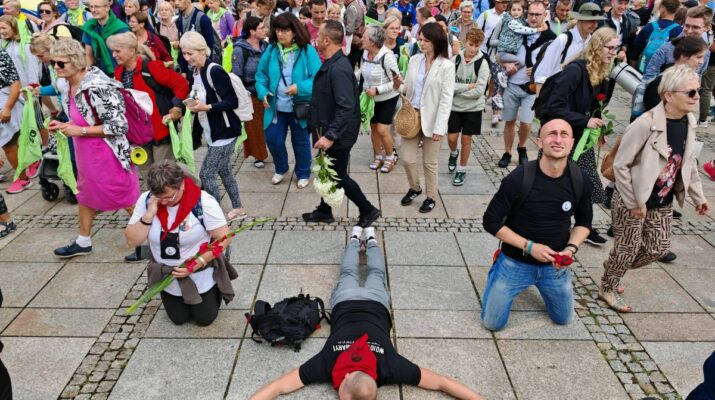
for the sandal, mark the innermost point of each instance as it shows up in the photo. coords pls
(388, 165)
(614, 301)
(10, 227)
(377, 163)
(236, 214)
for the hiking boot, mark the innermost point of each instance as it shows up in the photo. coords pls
(72, 250)
(458, 179)
(452, 163)
(669, 257)
(595, 239)
(411, 195)
(505, 160)
(427, 205)
(367, 219)
(319, 216)
(523, 158)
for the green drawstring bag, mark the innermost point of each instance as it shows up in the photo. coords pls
(182, 142)
(64, 169)
(241, 139)
(404, 60)
(29, 149)
(367, 110)
(175, 56)
(226, 60)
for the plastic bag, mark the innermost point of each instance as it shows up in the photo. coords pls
(182, 142)
(226, 57)
(367, 110)
(29, 149)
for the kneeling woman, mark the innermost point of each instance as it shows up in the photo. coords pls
(178, 218)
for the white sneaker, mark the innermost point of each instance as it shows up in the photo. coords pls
(303, 183)
(703, 124)
(495, 121)
(356, 233)
(277, 178)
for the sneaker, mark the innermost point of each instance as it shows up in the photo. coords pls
(452, 162)
(69, 196)
(3, 177)
(458, 179)
(356, 233)
(609, 196)
(369, 234)
(709, 168)
(502, 79)
(72, 250)
(19, 185)
(712, 110)
(319, 216)
(595, 239)
(277, 178)
(669, 257)
(8, 228)
(505, 160)
(609, 232)
(366, 220)
(259, 164)
(236, 214)
(495, 121)
(139, 254)
(33, 170)
(498, 102)
(303, 183)
(411, 195)
(427, 205)
(677, 214)
(523, 158)
(703, 124)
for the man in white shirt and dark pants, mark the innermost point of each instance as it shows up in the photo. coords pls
(487, 22)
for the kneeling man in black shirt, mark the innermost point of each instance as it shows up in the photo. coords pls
(534, 225)
(358, 357)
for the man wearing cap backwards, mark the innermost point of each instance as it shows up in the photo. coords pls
(537, 239)
(572, 42)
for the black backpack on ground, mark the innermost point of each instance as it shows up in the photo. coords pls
(288, 322)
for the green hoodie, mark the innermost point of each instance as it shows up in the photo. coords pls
(466, 99)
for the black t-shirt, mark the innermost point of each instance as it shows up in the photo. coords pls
(651, 98)
(662, 194)
(544, 216)
(350, 320)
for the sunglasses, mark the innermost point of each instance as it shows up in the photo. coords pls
(690, 93)
(60, 64)
(593, 13)
(46, 12)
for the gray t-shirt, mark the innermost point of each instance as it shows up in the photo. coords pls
(520, 77)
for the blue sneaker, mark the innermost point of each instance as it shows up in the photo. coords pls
(72, 249)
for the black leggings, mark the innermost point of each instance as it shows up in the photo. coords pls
(203, 313)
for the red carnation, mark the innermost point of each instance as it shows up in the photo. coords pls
(601, 97)
(563, 260)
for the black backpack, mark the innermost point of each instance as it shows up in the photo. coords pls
(288, 322)
(541, 104)
(164, 96)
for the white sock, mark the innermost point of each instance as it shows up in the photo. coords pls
(83, 241)
(454, 153)
(356, 233)
(390, 157)
(461, 168)
(370, 233)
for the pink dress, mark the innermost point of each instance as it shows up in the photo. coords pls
(102, 183)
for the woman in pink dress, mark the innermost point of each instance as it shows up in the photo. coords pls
(106, 178)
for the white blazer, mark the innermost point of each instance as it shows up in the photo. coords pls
(437, 93)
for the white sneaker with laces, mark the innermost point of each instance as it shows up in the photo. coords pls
(277, 178)
(495, 121)
(303, 183)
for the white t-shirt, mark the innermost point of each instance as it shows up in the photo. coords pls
(191, 235)
(487, 21)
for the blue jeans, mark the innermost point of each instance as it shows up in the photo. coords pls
(348, 287)
(508, 277)
(300, 138)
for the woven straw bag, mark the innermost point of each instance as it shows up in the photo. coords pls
(407, 121)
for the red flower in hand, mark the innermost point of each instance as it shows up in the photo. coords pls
(190, 265)
(601, 97)
(563, 260)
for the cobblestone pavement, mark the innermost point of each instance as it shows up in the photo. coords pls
(67, 334)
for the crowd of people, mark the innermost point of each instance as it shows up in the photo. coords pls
(308, 69)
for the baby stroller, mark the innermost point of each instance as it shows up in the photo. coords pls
(48, 173)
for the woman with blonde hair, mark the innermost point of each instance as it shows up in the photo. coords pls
(167, 24)
(577, 94)
(654, 166)
(221, 19)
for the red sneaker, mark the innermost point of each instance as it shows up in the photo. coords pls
(33, 170)
(19, 185)
(709, 168)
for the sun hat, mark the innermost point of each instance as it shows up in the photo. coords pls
(588, 12)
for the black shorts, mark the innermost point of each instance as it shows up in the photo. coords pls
(384, 111)
(469, 123)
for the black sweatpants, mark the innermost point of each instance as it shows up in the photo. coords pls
(341, 160)
(5, 386)
(203, 313)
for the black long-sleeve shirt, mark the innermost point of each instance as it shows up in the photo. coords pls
(545, 214)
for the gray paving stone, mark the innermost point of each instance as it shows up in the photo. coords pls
(307, 248)
(681, 362)
(538, 325)
(59, 322)
(260, 182)
(22, 281)
(354, 212)
(288, 280)
(228, 324)
(394, 183)
(245, 287)
(54, 359)
(83, 285)
(485, 374)
(439, 324)
(641, 284)
(35, 205)
(671, 327)
(177, 368)
(431, 288)
(474, 185)
(552, 370)
(305, 201)
(698, 282)
(465, 205)
(16, 200)
(693, 252)
(435, 248)
(593, 256)
(477, 248)
(10, 238)
(528, 300)
(251, 247)
(108, 245)
(36, 245)
(7, 315)
(260, 204)
(391, 207)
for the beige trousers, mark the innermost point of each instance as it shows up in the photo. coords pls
(430, 155)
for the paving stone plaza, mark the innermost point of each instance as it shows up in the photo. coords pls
(67, 335)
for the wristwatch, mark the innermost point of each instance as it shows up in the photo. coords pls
(210, 107)
(84, 131)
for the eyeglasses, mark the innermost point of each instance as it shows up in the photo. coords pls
(611, 49)
(693, 27)
(169, 199)
(535, 15)
(60, 64)
(690, 93)
(46, 12)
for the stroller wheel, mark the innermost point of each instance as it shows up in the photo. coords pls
(69, 196)
(50, 191)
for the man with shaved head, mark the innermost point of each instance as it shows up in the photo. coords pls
(531, 215)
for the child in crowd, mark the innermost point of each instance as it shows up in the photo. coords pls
(511, 32)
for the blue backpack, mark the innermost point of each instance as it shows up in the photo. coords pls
(657, 38)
